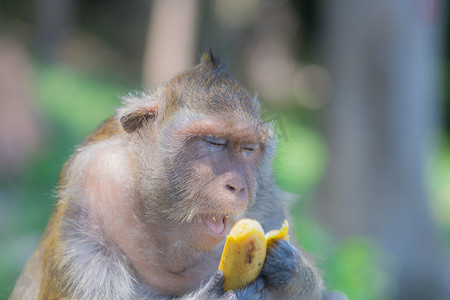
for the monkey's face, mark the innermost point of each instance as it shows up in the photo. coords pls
(210, 168)
(199, 143)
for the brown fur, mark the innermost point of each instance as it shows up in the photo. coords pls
(108, 129)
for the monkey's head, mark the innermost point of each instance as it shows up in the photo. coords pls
(200, 149)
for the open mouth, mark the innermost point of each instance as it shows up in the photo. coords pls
(216, 224)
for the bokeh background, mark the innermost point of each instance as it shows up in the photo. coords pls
(359, 93)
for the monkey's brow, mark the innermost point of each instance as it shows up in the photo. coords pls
(239, 131)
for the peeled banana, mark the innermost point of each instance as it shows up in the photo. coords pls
(245, 251)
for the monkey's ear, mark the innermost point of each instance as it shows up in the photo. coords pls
(134, 115)
(135, 119)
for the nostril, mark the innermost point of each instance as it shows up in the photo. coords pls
(231, 188)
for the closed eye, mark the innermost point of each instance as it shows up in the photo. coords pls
(250, 147)
(215, 141)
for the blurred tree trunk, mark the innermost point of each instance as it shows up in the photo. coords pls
(171, 40)
(383, 56)
(54, 18)
(20, 125)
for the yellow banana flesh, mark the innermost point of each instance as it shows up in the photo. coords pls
(245, 251)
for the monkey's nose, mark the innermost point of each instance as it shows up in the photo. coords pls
(239, 191)
(233, 189)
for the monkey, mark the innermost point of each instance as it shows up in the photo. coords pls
(146, 201)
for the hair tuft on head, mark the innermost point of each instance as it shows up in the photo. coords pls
(208, 58)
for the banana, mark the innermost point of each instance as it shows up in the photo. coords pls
(245, 251)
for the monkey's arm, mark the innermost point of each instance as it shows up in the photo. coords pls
(288, 274)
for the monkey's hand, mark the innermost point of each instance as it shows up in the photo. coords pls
(213, 290)
(283, 263)
(289, 275)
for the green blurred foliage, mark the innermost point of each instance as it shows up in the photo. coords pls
(439, 182)
(75, 102)
(352, 268)
(301, 155)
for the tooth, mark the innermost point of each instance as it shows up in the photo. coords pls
(214, 219)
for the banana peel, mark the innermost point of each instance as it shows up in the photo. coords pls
(245, 251)
(276, 234)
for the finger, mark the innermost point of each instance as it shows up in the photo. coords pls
(253, 291)
(230, 295)
(216, 279)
